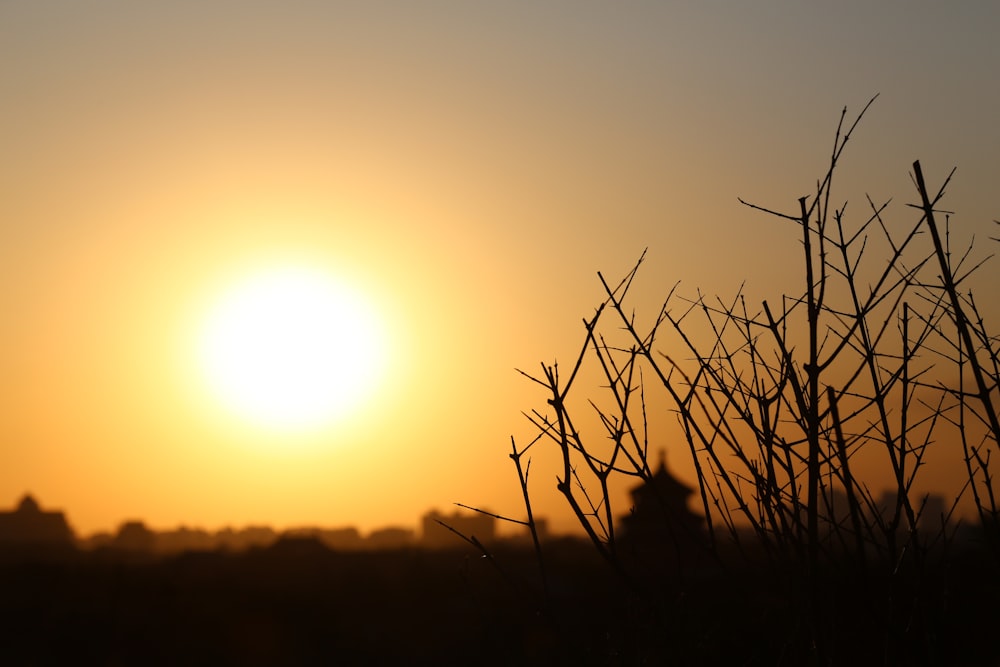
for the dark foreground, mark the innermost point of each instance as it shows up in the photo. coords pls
(297, 603)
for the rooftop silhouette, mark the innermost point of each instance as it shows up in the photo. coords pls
(29, 525)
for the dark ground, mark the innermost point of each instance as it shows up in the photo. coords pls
(298, 603)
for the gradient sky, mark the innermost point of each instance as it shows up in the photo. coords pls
(468, 166)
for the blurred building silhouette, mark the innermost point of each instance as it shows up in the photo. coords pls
(232, 539)
(99, 540)
(134, 536)
(342, 539)
(391, 537)
(435, 536)
(930, 509)
(523, 536)
(29, 525)
(660, 516)
(183, 539)
(338, 539)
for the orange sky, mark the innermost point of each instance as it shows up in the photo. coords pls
(468, 166)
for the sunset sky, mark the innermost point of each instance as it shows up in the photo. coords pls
(463, 169)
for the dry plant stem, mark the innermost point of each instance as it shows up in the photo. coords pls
(691, 426)
(522, 477)
(961, 321)
(986, 342)
(810, 406)
(848, 479)
(474, 541)
(733, 393)
(868, 349)
(568, 441)
(799, 404)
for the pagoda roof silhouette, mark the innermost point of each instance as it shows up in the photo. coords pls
(662, 485)
(660, 512)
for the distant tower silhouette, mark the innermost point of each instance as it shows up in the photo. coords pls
(660, 517)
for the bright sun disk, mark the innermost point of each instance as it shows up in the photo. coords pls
(291, 349)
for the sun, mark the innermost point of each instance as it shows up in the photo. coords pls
(291, 348)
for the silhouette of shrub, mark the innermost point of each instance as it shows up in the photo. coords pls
(875, 363)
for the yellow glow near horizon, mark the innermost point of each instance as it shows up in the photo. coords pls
(291, 349)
